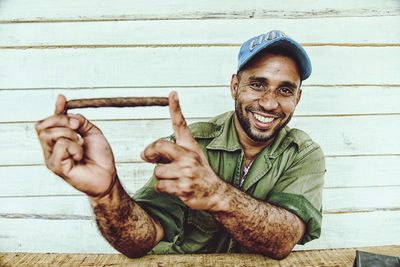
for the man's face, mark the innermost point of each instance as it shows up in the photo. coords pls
(266, 95)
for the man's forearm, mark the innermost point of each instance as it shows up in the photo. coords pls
(126, 226)
(258, 226)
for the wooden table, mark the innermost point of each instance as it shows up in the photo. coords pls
(329, 257)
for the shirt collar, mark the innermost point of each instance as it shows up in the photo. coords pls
(227, 140)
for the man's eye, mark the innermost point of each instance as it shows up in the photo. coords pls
(286, 91)
(257, 86)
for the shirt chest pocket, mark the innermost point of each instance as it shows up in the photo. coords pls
(200, 233)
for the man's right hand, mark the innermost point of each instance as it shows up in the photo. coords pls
(76, 150)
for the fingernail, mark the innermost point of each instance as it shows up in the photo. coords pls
(74, 123)
(80, 140)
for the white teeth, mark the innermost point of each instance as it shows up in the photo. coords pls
(262, 118)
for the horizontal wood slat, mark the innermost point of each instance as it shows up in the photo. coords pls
(69, 236)
(362, 171)
(335, 200)
(184, 66)
(364, 135)
(45, 10)
(359, 31)
(357, 229)
(342, 172)
(33, 105)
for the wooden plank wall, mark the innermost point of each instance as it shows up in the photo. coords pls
(89, 48)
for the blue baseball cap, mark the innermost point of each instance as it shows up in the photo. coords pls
(277, 39)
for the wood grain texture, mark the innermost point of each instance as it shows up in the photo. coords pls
(358, 229)
(39, 181)
(318, 258)
(33, 105)
(342, 172)
(45, 10)
(362, 171)
(182, 66)
(69, 236)
(359, 30)
(335, 200)
(363, 135)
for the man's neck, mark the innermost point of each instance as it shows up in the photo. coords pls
(250, 147)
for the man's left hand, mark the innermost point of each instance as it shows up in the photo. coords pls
(183, 168)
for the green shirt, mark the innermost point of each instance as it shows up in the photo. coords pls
(288, 173)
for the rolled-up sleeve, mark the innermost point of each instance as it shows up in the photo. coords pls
(299, 190)
(167, 209)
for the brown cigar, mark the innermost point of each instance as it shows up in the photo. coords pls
(117, 102)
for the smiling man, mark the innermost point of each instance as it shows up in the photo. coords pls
(242, 182)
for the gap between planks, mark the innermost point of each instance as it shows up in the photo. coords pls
(94, 46)
(130, 162)
(388, 86)
(221, 16)
(131, 193)
(207, 118)
(88, 217)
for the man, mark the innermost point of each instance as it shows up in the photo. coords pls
(242, 182)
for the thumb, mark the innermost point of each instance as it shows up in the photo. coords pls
(60, 105)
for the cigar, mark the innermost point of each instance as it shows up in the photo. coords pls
(117, 102)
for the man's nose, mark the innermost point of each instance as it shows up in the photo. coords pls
(268, 101)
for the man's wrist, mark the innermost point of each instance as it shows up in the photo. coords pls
(110, 197)
(222, 198)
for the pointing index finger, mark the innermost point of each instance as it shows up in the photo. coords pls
(181, 130)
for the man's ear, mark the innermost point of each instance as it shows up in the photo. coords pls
(298, 97)
(234, 86)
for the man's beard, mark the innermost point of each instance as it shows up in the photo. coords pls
(254, 134)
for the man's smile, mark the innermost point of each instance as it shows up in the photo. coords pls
(263, 118)
(263, 121)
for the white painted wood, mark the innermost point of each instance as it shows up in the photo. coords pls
(38, 180)
(59, 236)
(362, 171)
(357, 135)
(33, 105)
(361, 199)
(360, 30)
(72, 236)
(334, 200)
(45, 206)
(357, 230)
(183, 66)
(14, 10)
(361, 135)
(342, 172)
(38, 104)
